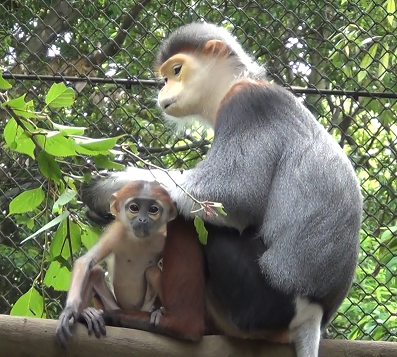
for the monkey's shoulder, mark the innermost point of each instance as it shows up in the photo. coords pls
(259, 100)
(259, 92)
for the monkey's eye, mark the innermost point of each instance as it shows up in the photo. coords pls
(177, 69)
(134, 208)
(165, 79)
(153, 209)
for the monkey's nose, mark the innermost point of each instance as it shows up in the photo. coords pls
(142, 220)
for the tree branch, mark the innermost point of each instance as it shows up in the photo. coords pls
(49, 27)
(29, 337)
(114, 45)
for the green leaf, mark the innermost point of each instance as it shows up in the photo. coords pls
(60, 245)
(22, 109)
(58, 276)
(391, 10)
(133, 148)
(97, 144)
(56, 144)
(395, 56)
(10, 131)
(30, 304)
(16, 103)
(4, 85)
(63, 199)
(17, 139)
(75, 236)
(366, 62)
(69, 130)
(384, 62)
(50, 224)
(30, 223)
(201, 230)
(88, 236)
(25, 145)
(60, 96)
(49, 167)
(83, 151)
(391, 269)
(221, 211)
(57, 242)
(27, 201)
(389, 231)
(104, 162)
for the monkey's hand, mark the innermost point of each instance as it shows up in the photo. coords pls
(93, 319)
(62, 331)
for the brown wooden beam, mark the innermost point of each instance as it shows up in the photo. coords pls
(27, 337)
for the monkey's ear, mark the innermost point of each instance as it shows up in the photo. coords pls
(215, 48)
(112, 201)
(173, 213)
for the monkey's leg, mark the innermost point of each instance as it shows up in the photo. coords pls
(245, 304)
(153, 276)
(102, 290)
(182, 289)
(153, 290)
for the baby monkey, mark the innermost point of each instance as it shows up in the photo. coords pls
(133, 243)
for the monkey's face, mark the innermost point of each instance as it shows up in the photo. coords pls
(145, 216)
(197, 82)
(143, 207)
(179, 97)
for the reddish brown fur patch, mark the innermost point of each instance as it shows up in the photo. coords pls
(240, 85)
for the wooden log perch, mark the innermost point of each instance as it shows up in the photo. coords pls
(27, 337)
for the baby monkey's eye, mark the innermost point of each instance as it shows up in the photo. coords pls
(177, 69)
(153, 209)
(165, 79)
(134, 208)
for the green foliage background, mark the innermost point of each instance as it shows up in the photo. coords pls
(344, 45)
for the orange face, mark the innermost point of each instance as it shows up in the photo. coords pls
(177, 72)
(196, 81)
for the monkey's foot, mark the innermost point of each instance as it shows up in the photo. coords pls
(93, 319)
(156, 316)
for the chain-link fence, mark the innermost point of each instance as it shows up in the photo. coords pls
(339, 56)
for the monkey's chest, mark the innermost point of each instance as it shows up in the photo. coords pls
(129, 289)
(127, 273)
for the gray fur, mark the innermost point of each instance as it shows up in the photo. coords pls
(273, 166)
(195, 35)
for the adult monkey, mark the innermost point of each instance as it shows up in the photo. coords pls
(284, 183)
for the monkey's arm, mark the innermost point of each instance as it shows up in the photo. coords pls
(234, 172)
(80, 276)
(98, 288)
(104, 300)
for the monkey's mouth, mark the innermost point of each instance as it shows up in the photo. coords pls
(168, 103)
(141, 232)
